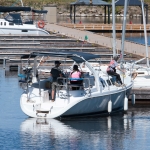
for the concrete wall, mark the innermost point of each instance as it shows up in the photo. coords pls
(51, 16)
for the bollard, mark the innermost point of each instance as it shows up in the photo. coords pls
(4, 63)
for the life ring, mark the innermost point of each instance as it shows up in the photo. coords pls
(41, 24)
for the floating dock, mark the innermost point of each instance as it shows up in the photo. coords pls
(93, 38)
(106, 27)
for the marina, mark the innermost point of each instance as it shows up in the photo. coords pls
(61, 40)
(57, 89)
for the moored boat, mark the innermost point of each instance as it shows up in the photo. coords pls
(13, 24)
(96, 94)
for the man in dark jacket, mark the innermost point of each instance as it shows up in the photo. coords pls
(55, 73)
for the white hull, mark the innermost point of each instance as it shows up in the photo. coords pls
(23, 31)
(96, 103)
(96, 94)
(20, 29)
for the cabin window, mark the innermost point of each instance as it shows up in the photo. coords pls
(11, 24)
(4, 23)
(1, 23)
(141, 73)
(24, 30)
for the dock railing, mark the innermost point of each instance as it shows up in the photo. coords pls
(106, 27)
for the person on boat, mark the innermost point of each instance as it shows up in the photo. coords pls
(75, 76)
(55, 73)
(111, 70)
(134, 75)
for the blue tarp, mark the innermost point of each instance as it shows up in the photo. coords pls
(10, 9)
(130, 3)
(92, 2)
(78, 57)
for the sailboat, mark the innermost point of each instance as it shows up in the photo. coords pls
(143, 72)
(95, 95)
(13, 24)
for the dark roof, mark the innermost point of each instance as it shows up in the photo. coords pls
(87, 2)
(39, 11)
(10, 9)
(130, 3)
(78, 57)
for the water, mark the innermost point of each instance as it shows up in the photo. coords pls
(65, 19)
(18, 132)
(138, 38)
(133, 37)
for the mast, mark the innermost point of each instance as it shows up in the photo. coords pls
(145, 33)
(17, 2)
(123, 30)
(21, 3)
(114, 28)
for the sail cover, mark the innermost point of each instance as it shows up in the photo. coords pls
(10, 9)
(39, 11)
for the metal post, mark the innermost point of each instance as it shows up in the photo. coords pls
(71, 13)
(35, 66)
(146, 14)
(19, 72)
(74, 14)
(21, 3)
(123, 31)
(34, 70)
(145, 33)
(27, 91)
(108, 14)
(141, 17)
(114, 28)
(4, 63)
(39, 87)
(105, 16)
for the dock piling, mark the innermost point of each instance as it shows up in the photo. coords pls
(4, 63)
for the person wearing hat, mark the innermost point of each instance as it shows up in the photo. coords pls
(111, 70)
(55, 73)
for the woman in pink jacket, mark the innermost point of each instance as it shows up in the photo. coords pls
(111, 70)
(75, 77)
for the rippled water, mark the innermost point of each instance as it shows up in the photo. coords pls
(18, 132)
(134, 37)
(138, 38)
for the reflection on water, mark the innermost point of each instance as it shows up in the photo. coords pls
(100, 19)
(115, 132)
